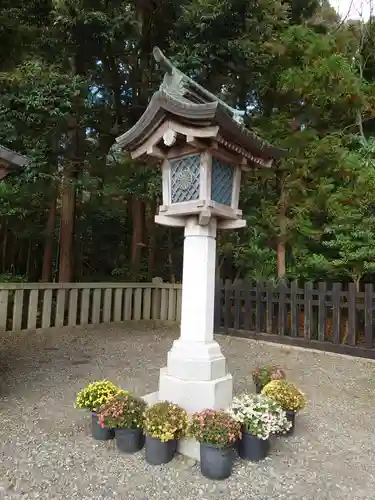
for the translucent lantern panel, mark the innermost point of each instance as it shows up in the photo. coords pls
(185, 179)
(221, 181)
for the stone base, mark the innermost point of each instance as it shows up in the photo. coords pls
(189, 448)
(193, 396)
(200, 361)
(196, 395)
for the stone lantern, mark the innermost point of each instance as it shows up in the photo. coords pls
(203, 148)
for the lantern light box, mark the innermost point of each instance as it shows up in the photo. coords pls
(203, 147)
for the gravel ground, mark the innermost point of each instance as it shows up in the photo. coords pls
(47, 453)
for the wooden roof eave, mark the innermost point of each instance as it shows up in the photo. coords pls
(161, 106)
(164, 106)
(236, 133)
(11, 158)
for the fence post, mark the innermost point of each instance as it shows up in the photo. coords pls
(18, 310)
(269, 306)
(217, 305)
(156, 298)
(322, 312)
(33, 309)
(118, 304)
(336, 304)
(248, 307)
(352, 314)
(294, 309)
(227, 304)
(281, 312)
(107, 305)
(258, 306)
(238, 304)
(3, 308)
(85, 307)
(368, 316)
(307, 308)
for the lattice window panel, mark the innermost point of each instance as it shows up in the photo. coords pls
(185, 179)
(221, 182)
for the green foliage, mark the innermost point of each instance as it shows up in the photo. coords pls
(10, 278)
(350, 229)
(264, 374)
(75, 74)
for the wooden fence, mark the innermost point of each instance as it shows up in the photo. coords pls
(45, 305)
(330, 317)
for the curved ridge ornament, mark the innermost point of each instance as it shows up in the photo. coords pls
(176, 83)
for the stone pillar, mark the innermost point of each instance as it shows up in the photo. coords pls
(196, 375)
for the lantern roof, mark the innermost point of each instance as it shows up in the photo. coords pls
(10, 160)
(185, 102)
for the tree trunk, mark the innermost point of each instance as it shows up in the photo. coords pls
(66, 243)
(281, 238)
(281, 268)
(28, 259)
(4, 249)
(49, 240)
(138, 213)
(78, 235)
(72, 164)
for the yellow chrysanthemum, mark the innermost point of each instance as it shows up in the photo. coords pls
(289, 397)
(95, 394)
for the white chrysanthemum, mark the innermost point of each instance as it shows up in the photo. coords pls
(260, 415)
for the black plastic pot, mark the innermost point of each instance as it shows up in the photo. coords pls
(98, 432)
(157, 452)
(291, 416)
(216, 463)
(129, 440)
(253, 448)
(258, 388)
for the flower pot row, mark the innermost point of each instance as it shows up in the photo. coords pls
(216, 460)
(118, 414)
(244, 429)
(130, 440)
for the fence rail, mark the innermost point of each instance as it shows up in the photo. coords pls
(45, 305)
(325, 316)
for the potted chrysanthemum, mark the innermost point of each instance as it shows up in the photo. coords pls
(125, 414)
(260, 417)
(91, 398)
(262, 375)
(288, 396)
(217, 433)
(164, 424)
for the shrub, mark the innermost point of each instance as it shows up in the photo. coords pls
(262, 375)
(286, 394)
(95, 394)
(214, 427)
(165, 421)
(260, 415)
(122, 411)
